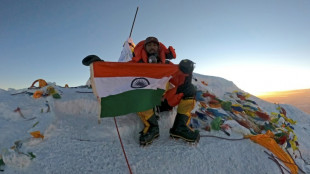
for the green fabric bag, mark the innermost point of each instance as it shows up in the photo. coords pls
(216, 123)
(226, 105)
(56, 96)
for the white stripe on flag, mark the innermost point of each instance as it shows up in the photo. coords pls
(106, 86)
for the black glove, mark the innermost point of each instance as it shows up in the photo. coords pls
(188, 89)
(171, 54)
(90, 59)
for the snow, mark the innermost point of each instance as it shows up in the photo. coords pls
(74, 142)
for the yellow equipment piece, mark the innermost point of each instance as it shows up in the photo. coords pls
(144, 116)
(268, 142)
(37, 94)
(185, 107)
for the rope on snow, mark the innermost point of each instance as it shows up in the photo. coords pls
(223, 137)
(294, 160)
(302, 157)
(274, 159)
(122, 146)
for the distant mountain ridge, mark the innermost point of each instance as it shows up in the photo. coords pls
(298, 98)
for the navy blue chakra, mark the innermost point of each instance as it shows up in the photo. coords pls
(140, 83)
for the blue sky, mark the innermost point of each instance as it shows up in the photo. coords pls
(259, 45)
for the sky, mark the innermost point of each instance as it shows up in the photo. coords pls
(256, 44)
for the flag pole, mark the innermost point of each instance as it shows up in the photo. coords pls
(93, 86)
(133, 23)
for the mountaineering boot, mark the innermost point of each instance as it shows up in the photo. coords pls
(180, 129)
(148, 135)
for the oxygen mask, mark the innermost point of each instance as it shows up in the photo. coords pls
(152, 59)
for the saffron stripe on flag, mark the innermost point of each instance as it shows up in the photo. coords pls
(125, 69)
(145, 86)
(130, 102)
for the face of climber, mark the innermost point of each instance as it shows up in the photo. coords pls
(151, 48)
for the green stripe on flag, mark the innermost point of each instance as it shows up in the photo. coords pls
(130, 102)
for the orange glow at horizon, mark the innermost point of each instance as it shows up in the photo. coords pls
(259, 79)
(297, 98)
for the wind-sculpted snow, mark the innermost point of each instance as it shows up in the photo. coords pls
(77, 107)
(217, 85)
(74, 142)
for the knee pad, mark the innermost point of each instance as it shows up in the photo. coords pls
(186, 106)
(145, 115)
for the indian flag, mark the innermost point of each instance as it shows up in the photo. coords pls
(123, 87)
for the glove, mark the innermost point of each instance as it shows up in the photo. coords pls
(90, 59)
(171, 54)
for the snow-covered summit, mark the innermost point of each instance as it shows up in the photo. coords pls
(74, 142)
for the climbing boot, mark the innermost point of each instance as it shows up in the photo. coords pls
(148, 134)
(181, 129)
